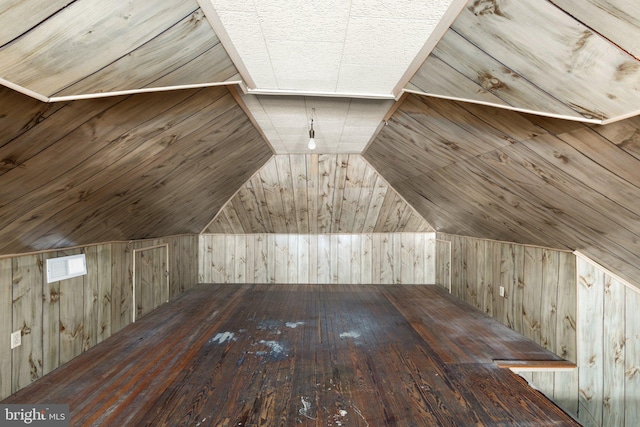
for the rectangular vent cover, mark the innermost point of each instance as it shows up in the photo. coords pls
(66, 267)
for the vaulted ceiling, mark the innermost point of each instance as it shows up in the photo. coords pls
(573, 60)
(119, 168)
(500, 119)
(482, 172)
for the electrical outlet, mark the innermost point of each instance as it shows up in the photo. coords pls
(502, 291)
(16, 339)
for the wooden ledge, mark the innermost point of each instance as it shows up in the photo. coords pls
(536, 365)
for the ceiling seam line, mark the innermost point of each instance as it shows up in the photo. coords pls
(344, 43)
(38, 24)
(595, 31)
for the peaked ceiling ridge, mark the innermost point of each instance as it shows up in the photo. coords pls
(317, 194)
(348, 38)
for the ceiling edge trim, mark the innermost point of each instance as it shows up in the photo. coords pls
(506, 242)
(24, 90)
(441, 28)
(319, 93)
(216, 24)
(136, 91)
(618, 118)
(509, 107)
(252, 119)
(384, 121)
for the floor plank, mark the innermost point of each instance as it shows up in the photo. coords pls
(312, 355)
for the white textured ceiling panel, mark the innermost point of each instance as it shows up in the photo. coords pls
(342, 125)
(344, 50)
(360, 47)
(253, 49)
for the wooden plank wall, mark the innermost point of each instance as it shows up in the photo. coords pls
(60, 320)
(539, 302)
(609, 342)
(443, 263)
(311, 193)
(404, 258)
(539, 283)
(607, 385)
(596, 321)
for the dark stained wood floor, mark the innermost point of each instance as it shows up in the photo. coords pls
(309, 355)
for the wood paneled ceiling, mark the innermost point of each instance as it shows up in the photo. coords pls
(575, 60)
(60, 49)
(491, 173)
(569, 59)
(119, 168)
(311, 194)
(80, 170)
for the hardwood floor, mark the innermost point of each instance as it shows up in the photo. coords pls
(311, 355)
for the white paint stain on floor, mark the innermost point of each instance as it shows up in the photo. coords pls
(275, 346)
(294, 325)
(338, 418)
(350, 334)
(222, 337)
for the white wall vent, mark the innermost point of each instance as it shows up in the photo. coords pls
(66, 267)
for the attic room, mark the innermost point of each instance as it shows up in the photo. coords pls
(334, 213)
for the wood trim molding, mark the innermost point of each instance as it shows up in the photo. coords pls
(526, 245)
(449, 244)
(136, 91)
(24, 90)
(507, 107)
(215, 22)
(247, 111)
